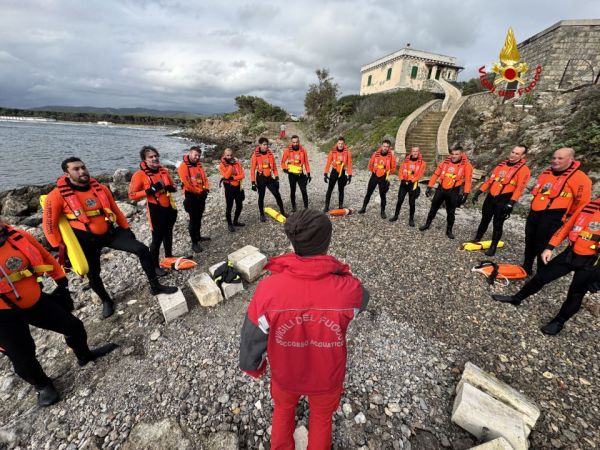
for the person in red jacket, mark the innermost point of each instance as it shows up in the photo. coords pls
(195, 190)
(263, 174)
(297, 321)
(381, 165)
(154, 184)
(504, 186)
(411, 171)
(580, 257)
(232, 174)
(23, 303)
(454, 175)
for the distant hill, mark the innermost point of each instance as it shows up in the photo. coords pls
(118, 111)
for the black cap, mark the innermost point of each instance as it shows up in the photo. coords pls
(309, 231)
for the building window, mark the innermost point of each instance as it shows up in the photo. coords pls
(429, 72)
(369, 80)
(414, 71)
(389, 74)
(437, 73)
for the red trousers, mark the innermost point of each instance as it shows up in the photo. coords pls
(282, 134)
(321, 406)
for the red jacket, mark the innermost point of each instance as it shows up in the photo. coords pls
(298, 317)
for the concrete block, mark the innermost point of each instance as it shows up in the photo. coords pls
(205, 289)
(172, 305)
(230, 289)
(500, 391)
(214, 267)
(240, 254)
(485, 417)
(497, 444)
(251, 266)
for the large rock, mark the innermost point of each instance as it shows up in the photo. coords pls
(127, 209)
(221, 440)
(240, 254)
(157, 436)
(485, 417)
(172, 305)
(500, 391)
(230, 289)
(14, 206)
(251, 267)
(205, 289)
(497, 444)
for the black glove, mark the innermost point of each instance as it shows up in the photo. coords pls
(463, 199)
(285, 171)
(207, 191)
(475, 198)
(349, 179)
(276, 178)
(62, 296)
(170, 188)
(309, 177)
(154, 188)
(508, 209)
(230, 178)
(428, 192)
(254, 188)
(326, 178)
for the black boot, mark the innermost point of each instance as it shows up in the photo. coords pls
(426, 226)
(96, 353)
(507, 299)
(196, 247)
(237, 223)
(492, 250)
(411, 222)
(108, 308)
(47, 395)
(157, 288)
(293, 208)
(263, 218)
(383, 214)
(553, 327)
(394, 218)
(204, 239)
(449, 233)
(362, 210)
(231, 228)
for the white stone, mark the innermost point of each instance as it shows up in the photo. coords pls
(301, 438)
(241, 253)
(251, 267)
(394, 407)
(205, 289)
(497, 444)
(212, 269)
(155, 335)
(483, 416)
(230, 289)
(172, 305)
(500, 391)
(360, 418)
(347, 409)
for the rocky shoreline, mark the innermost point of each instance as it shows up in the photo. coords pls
(177, 385)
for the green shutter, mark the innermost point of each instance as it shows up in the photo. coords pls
(389, 74)
(414, 71)
(369, 80)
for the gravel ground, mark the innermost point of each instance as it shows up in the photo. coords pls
(428, 315)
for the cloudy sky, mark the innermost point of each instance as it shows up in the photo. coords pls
(197, 56)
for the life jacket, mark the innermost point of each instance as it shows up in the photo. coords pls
(295, 160)
(236, 170)
(410, 167)
(339, 159)
(503, 173)
(36, 266)
(264, 162)
(447, 171)
(197, 175)
(493, 271)
(550, 186)
(585, 233)
(72, 201)
(164, 178)
(382, 164)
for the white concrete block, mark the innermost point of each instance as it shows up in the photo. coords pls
(497, 444)
(240, 254)
(480, 414)
(205, 289)
(251, 266)
(500, 391)
(230, 289)
(214, 267)
(172, 305)
(301, 438)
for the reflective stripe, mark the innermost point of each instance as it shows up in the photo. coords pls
(91, 213)
(292, 168)
(26, 273)
(263, 324)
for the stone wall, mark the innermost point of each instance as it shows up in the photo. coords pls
(569, 53)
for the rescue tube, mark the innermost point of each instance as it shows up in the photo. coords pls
(79, 263)
(481, 245)
(275, 215)
(341, 212)
(177, 263)
(493, 271)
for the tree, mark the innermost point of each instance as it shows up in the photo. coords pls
(259, 108)
(320, 101)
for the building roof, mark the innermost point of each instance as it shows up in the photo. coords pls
(562, 23)
(406, 52)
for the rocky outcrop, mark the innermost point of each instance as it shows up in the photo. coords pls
(222, 132)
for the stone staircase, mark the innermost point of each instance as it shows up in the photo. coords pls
(424, 136)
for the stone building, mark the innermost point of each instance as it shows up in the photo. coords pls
(569, 53)
(406, 68)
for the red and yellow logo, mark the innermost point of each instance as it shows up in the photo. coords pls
(509, 70)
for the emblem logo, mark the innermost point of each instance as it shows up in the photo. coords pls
(594, 226)
(509, 70)
(451, 169)
(14, 263)
(546, 187)
(90, 202)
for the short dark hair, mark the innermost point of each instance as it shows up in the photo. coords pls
(523, 146)
(263, 140)
(456, 148)
(295, 136)
(386, 141)
(65, 164)
(196, 148)
(147, 149)
(341, 138)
